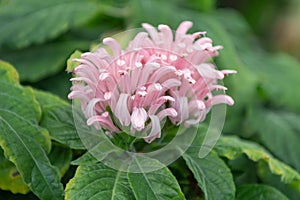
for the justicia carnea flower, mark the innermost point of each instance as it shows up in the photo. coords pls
(159, 75)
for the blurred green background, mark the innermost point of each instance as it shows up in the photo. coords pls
(37, 37)
(261, 40)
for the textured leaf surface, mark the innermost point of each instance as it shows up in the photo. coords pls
(277, 130)
(98, 181)
(24, 142)
(231, 147)
(58, 119)
(61, 158)
(97, 153)
(20, 112)
(10, 177)
(258, 192)
(30, 18)
(292, 191)
(8, 73)
(212, 174)
(159, 184)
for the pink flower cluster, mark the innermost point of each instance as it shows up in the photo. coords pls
(158, 76)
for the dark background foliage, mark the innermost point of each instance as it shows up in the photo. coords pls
(261, 41)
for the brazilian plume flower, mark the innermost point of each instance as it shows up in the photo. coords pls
(159, 75)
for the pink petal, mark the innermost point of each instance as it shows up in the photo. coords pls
(196, 105)
(138, 41)
(170, 83)
(125, 83)
(162, 72)
(95, 59)
(155, 129)
(217, 87)
(183, 28)
(167, 36)
(135, 76)
(138, 118)
(78, 94)
(153, 91)
(198, 34)
(207, 70)
(103, 54)
(151, 30)
(86, 80)
(90, 109)
(158, 103)
(183, 109)
(148, 69)
(200, 118)
(109, 81)
(218, 99)
(204, 40)
(104, 121)
(84, 71)
(114, 99)
(121, 110)
(227, 71)
(167, 112)
(139, 98)
(107, 95)
(186, 89)
(198, 57)
(216, 48)
(114, 45)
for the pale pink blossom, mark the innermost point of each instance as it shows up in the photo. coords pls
(158, 76)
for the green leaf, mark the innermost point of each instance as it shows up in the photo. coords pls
(24, 142)
(46, 99)
(20, 111)
(98, 181)
(268, 178)
(15, 99)
(278, 133)
(70, 63)
(61, 158)
(159, 184)
(24, 24)
(86, 159)
(231, 147)
(97, 153)
(10, 177)
(37, 62)
(58, 119)
(242, 170)
(258, 192)
(212, 174)
(8, 72)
